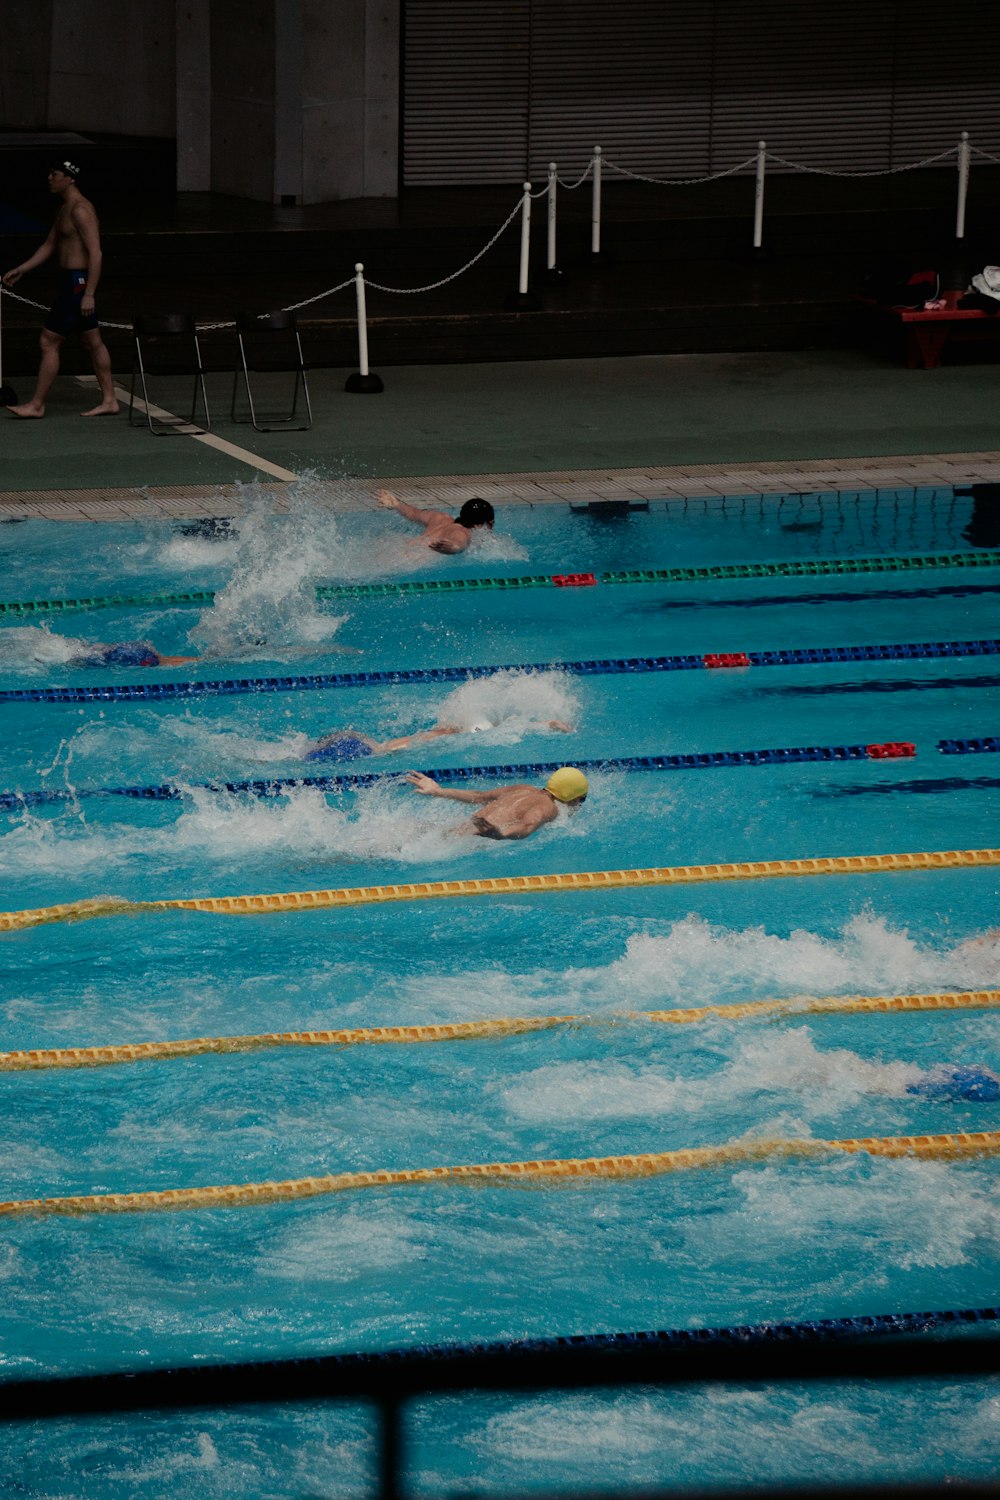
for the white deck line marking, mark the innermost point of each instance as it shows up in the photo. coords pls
(208, 438)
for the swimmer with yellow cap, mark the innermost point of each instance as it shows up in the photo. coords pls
(512, 812)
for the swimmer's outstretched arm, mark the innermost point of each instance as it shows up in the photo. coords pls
(429, 788)
(411, 512)
(419, 738)
(174, 661)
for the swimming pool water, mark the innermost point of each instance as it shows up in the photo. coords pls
(437, 1263)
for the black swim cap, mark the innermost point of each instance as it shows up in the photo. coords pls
(68, 169)
(476, 512)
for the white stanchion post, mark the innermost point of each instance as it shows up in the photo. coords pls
(362, 382)
(964, 154)
(758, 196)
(522, 275)
(595, 206)
(552, 271)
(523, 300)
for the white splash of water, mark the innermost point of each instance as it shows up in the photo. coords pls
(503, 708)
(36, 648)
(783, 1062)
(270, 599)
(692, 962)
(696, 963)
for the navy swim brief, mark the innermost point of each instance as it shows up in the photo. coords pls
(341, 747)
(64, 315)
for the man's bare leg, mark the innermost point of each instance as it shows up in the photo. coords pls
(101, 361)
(48, 369)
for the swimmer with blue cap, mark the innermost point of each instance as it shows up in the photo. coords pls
(348, 744)
(126, 654)
(512, 812)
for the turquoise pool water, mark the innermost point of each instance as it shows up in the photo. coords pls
(382, 1269)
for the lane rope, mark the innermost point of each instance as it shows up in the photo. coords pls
(807, 655)
(39, 1059)
(276, 786)
(503, 885)
(795, 569)
(953, 1147)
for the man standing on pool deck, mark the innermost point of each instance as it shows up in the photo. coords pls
(443, 533)
(75, 236)
(512, 812)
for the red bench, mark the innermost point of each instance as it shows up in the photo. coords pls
(926, 333)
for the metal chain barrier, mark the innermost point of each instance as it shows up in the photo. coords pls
(571, 186)
(593, 169)
(797, 166)
(680, 181)
(433, 285)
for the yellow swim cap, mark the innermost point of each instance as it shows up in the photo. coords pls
(567, 784)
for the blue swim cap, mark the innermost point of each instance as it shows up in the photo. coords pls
(974, 1082)
(341, 747)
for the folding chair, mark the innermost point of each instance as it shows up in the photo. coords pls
(269, 343)
(166, 344)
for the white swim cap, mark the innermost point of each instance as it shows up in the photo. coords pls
(479, 725)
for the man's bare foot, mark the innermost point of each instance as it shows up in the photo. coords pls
(106, 409)
(27, 409)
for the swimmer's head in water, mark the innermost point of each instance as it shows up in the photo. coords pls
(476, 512)
(567, 785)
(479, 725)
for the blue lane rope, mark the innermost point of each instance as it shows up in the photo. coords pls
(378, 1371)
(795, 657)
(276, 786)
(989, 743)
(752, 1333)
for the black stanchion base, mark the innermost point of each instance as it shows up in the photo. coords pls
(555, 276)
(363, 385)
(8, 396)
(523, 302)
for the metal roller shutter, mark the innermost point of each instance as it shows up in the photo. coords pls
(814, 81)
(634, 78)
(465, 72)
(947, 78)
(495, 89)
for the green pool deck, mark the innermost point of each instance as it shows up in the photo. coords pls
(527, 432)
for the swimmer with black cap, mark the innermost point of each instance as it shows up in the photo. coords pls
(512, 812)
(75, 241)
(443, 533)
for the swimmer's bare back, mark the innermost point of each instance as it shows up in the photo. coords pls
(442, 533)
(511, 812)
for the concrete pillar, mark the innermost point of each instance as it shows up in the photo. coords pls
(243, 98)
(194, 96)
(350, 99)
(289, 45)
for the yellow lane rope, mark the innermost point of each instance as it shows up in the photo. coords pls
(457, 1031)
(924, 1147)
(505, 885)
